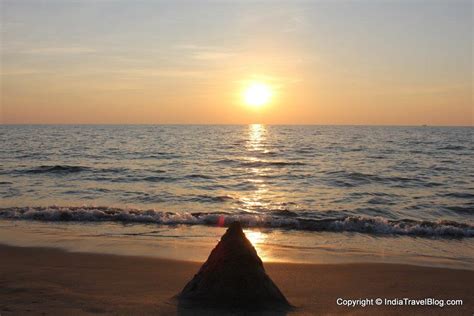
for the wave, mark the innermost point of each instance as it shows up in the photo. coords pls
(260, 163)
(66, 169)
(462, 209)
(452, 147)
(344, 178)
(159, 155)
(149, 179)
(460, 195)
(266, 163)
(56, 169)
(198, 176)
(211, 199)
(279, 220)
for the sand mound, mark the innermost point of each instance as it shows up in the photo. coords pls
(233, 275)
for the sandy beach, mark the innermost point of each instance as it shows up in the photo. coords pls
(44, 281)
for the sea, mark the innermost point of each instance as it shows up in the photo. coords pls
(312, 194)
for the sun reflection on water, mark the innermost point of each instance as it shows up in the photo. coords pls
(254, 201)
(257, 135)
(255, 144)
(257, 238)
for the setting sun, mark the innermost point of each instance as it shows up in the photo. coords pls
(257, 94)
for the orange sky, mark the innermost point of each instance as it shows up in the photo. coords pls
(364, 62)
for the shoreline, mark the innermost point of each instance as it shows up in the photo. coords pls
(194, 243)
(38, 280)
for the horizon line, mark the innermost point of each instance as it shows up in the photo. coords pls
(230, 124)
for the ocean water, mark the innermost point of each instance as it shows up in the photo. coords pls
(297, 182)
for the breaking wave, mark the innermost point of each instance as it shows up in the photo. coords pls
(360, 224)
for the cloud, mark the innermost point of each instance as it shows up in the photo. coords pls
(276, 82)
(205, 53)
(170, 73)
(21, 72)
(195, 47)
(210, 55)
(60, 50)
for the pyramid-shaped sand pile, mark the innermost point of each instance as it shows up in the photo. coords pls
(233, 275)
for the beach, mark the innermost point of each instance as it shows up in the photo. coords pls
(236, 157)
(46, 281)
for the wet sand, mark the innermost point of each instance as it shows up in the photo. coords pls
(44, 281)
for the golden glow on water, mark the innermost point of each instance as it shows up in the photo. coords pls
(255, 143)
(257, 238)
(255, 200)
(256, 137)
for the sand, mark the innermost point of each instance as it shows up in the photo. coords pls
(44, 281)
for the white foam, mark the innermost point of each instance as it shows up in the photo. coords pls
(374, 225)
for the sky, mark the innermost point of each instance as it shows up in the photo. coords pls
(189, 62)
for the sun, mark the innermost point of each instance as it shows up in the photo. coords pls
(257, 94)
